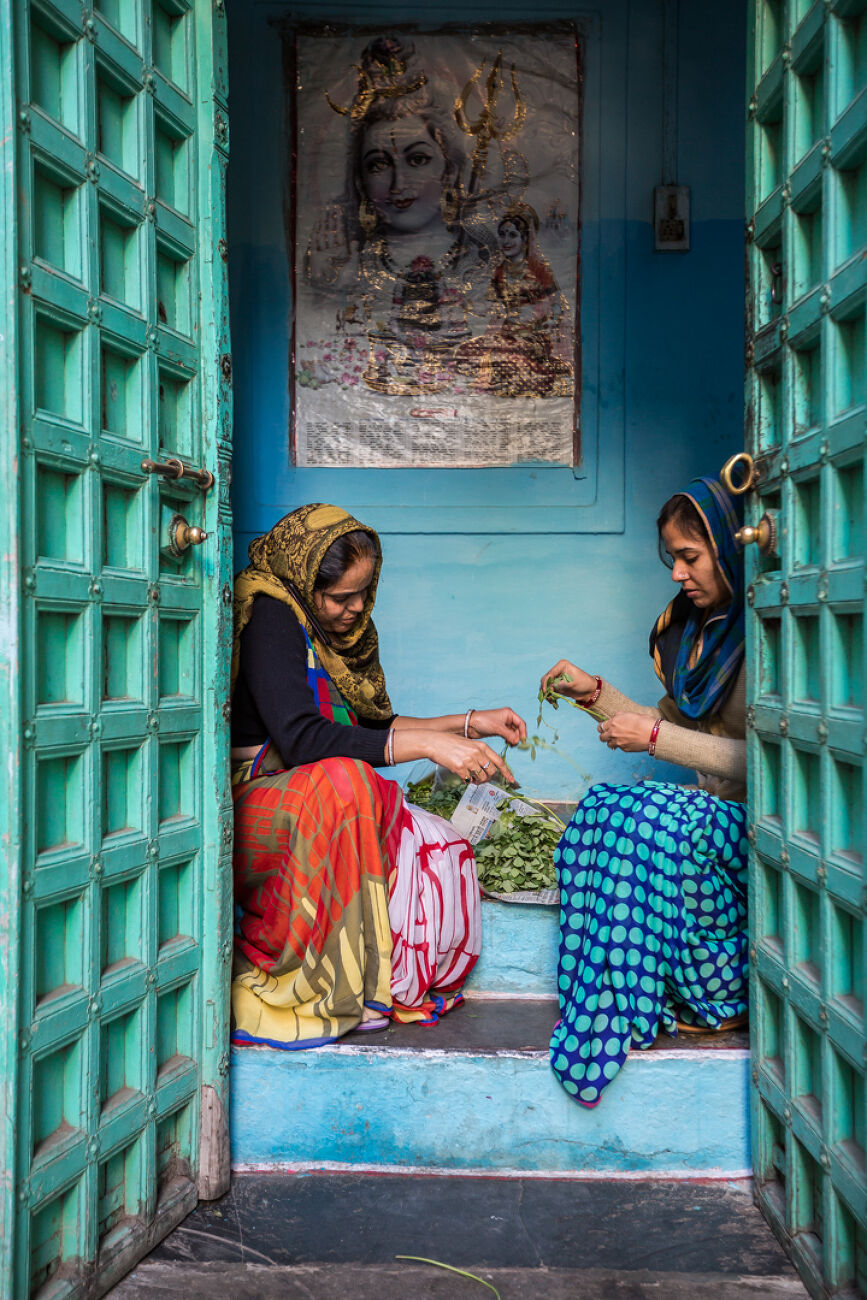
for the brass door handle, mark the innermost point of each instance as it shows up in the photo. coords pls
(751, 474)
(183, 535)
(764, 534)
(173, 468)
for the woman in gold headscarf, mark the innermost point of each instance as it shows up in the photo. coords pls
(353, 906)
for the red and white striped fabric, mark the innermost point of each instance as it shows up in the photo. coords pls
(434, 908)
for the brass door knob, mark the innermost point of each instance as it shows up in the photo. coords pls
(764, 534)
(183, 535)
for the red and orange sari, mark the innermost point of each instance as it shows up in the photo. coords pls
(348, 897)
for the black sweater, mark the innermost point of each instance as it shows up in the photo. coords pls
(272, 697)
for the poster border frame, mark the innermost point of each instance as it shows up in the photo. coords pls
(588, 498)
(563, 27)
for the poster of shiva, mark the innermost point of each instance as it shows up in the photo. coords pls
(435, 235)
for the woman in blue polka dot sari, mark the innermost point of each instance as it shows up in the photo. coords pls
(653, 877)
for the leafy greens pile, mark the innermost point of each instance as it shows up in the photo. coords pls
(518, 852)
(435, 798)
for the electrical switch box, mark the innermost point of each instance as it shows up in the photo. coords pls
(671, 218)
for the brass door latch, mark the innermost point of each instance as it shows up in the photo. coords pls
(173, 468)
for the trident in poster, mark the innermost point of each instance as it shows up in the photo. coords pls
(488, 126)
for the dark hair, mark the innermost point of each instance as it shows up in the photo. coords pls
(514, 219)
(347, 550)
(679, 510)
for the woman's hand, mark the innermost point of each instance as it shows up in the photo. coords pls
(579, 685)
(628, 731)
(471, 760)
(499, 722)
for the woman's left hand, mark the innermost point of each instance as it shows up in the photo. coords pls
(498, 722)
(629, 731)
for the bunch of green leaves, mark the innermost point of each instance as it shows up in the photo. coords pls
(518, 853)
(433, 798)
(550, 695)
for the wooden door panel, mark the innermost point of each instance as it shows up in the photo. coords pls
(807, 147)
(123, 882)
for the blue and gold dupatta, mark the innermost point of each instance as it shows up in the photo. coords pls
(699, 686)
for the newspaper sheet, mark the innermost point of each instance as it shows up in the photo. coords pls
(481, 806)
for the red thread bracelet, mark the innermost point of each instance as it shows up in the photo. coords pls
(651, 744)
(588, 704)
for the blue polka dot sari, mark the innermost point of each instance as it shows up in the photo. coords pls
(653, 889)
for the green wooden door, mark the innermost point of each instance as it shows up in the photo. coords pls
(807, 384)
(116, 816)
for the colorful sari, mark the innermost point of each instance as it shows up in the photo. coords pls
(348, 897)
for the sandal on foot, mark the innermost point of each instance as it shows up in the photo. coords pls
(733, 1022)
(376, 1022)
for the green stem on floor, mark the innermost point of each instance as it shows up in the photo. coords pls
(437, 1263)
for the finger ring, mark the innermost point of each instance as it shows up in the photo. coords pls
(485, 766)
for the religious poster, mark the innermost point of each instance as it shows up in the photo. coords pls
(435, 234)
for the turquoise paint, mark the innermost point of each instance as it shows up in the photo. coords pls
(665, 1112)
(474, 616)
(808, 746)
(519, 951)
(10, 706)
(116, 911)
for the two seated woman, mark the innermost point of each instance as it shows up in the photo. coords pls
(354, 906)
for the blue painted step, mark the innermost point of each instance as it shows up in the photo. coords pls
(476, 1093)
(519, 951)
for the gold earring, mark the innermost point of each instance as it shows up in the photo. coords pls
(368, 216)
(449, 205)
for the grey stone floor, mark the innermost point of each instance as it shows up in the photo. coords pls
(321, 1237)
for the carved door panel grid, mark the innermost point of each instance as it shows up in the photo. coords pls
(126, 821)
(807, 385)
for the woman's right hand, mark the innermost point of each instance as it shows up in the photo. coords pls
(580, 684)
(471, 760)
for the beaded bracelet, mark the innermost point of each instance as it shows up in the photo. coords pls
(651, 744)
(588, 704)
(470, 713)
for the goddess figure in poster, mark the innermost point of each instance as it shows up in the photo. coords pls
(527, 349)
(409, 273)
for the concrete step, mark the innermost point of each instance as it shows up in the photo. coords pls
(519, 951)
(284, 1236)
(255, 1281)
(475, 1093)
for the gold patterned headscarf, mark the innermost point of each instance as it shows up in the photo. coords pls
(284, 564)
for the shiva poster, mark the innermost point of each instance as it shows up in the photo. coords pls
(435, 235)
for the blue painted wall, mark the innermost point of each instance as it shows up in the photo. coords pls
(472, 608)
